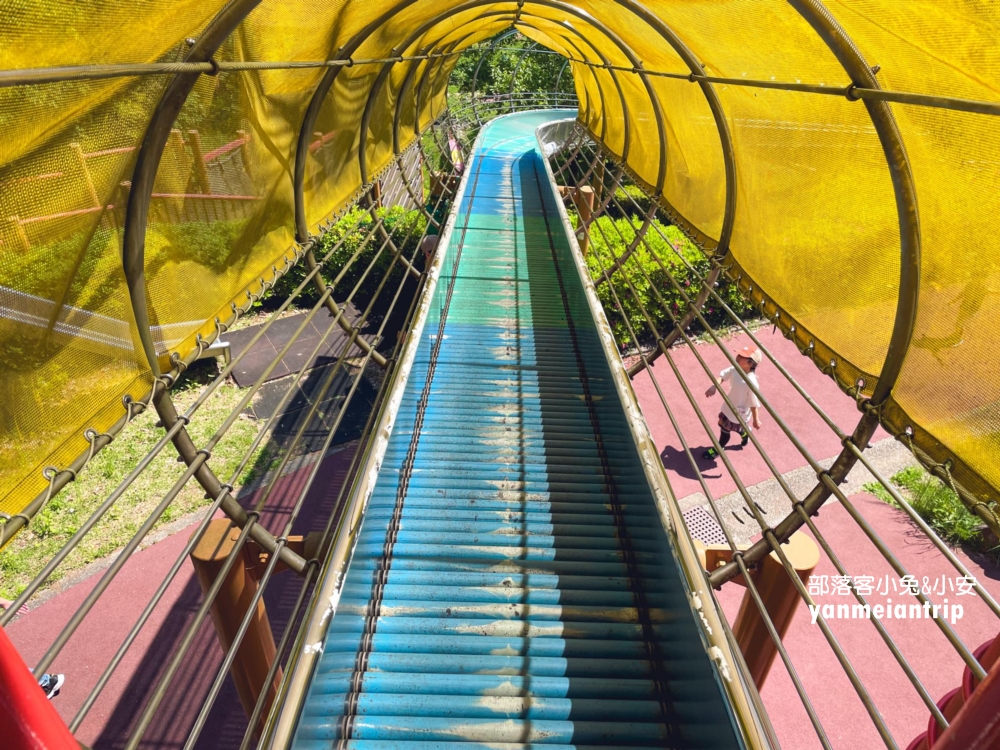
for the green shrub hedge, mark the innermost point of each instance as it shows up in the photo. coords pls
(610, 237)
(404, 226)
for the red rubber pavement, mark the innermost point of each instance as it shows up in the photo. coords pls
(88, 652)
(924, 646)
(814, 433)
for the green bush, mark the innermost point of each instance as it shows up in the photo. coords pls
(405, 227)
(657, 256)
(936, 503)
(631, 199)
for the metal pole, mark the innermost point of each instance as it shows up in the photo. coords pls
(860, 73)
(721, 123)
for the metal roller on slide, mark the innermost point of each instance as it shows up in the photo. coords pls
(512, 584)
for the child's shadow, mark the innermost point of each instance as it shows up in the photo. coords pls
(677, 461)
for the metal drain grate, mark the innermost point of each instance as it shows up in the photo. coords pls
(703, 526)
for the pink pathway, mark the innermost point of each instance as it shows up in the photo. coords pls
(921, 642)
(934, 660)
(817, 436)
(90, 649)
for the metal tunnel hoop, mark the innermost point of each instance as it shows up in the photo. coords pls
(861, 75)
(133, 251)
(840, 44)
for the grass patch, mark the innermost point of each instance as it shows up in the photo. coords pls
(26, 554)
(936, 503)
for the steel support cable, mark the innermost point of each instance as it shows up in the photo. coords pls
(292, 690)
(767, 532)
(708, 284)
(64, 551)
(161, 690)
(825, 487)
(134, 240)
(821, 473)
(189, 452)
(133, 408)
(889, 556)
(375, 604)
(737, 555)
(57, 74)
(165, 680)
(404, 92)
(182, 557)
(36, 76)
(849, 92)
(196, 730)
(699, 301)
(100, 441)
(224, 493)
(349, 477)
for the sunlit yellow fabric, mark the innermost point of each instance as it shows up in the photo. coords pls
(816, 228)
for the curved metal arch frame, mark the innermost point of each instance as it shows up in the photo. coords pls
(430, 24)
(626, 124)
(523, 53)
(475, 75)
(559, 77)
(815, 14)
(403, 87)
(404, 91)
(133, 263)
(904, 189)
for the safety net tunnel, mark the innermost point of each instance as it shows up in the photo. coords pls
(165, 168)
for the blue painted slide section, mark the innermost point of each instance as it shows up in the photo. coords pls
(512, 585)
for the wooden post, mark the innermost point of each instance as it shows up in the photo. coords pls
(584, 199)
(88, 180)
(200, 168)
(245, 151)
(377, 193)
(19, 233)
(257, 651)
(776, 590)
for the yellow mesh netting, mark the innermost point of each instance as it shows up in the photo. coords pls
(816, 227)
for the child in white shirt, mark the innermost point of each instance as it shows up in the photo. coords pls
(746, 402)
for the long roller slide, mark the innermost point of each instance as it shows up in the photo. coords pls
(512, 584)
